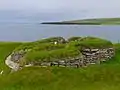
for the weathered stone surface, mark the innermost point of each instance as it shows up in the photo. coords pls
(13, 60)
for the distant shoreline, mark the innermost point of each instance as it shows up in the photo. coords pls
(64, 23)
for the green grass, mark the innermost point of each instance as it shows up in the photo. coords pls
(49, 51)
(51, 55)
(40, 43)
(93, 42)
(95, 77)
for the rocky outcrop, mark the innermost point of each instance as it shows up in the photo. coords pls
(13, 60)
(11, 64)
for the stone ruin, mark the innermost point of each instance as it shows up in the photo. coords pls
(89, 56)
(16, 56)
(93, 56)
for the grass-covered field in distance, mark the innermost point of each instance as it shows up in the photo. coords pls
(94, 21)
(98, 20)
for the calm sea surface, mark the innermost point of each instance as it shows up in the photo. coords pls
(31, 32)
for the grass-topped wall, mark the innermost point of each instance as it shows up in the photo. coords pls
(46, 50)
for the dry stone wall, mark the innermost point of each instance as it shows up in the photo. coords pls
(89, 56)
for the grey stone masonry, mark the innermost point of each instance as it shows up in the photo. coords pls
(89, 56)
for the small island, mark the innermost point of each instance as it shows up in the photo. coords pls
(95, 21)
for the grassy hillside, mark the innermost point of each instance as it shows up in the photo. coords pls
(5, 49)
(101, 21)
(95, 77)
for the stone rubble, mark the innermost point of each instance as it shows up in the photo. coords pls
(13, 60)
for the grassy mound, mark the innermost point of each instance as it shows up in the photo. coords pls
(93, 42)
(46, 49)
(74, 39)
(51, 55)
(41, 43)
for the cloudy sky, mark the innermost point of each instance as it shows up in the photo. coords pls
(53, 10)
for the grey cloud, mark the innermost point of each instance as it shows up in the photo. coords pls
(54, 10)
(57, 4)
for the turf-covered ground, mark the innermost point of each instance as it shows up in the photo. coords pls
(100, 77)
(95, 77)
